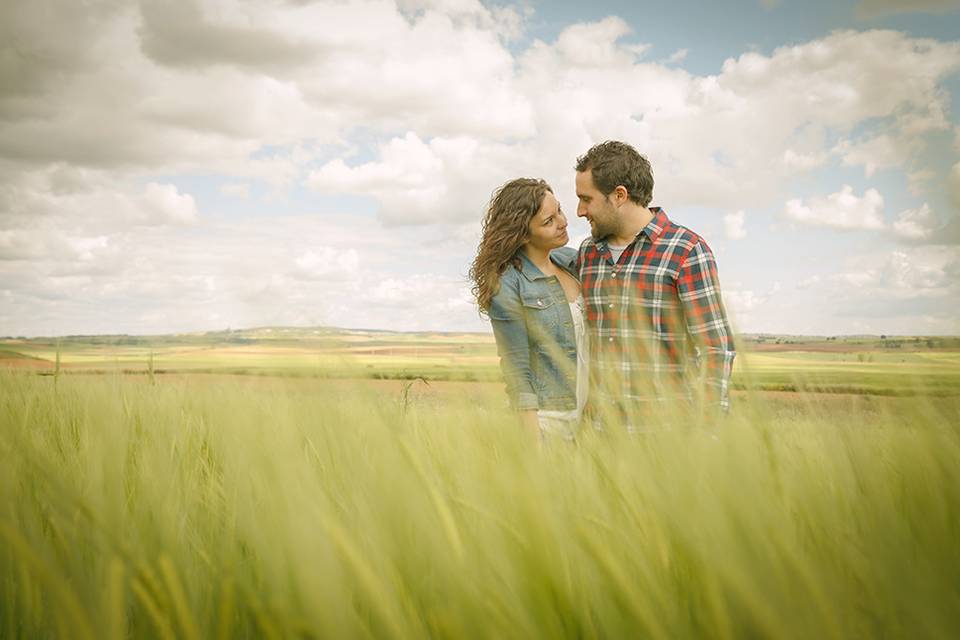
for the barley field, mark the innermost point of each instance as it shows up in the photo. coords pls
(209, 506)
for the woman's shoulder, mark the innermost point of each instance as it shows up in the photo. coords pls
(509, 279)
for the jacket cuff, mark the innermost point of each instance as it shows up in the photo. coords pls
(527, 401)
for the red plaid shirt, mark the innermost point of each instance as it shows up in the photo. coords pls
(657, 324)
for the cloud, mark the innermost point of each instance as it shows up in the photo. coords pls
(444, 180)
(841, 210)
(677, 56)
(911, 290)
(253, 271)
(744, 305)
(879, 152)
(163, 203)
(733, 225)
(713, 140)
(183, 34)
(896, 276)
(327, 262)
(953, 186)
(171, 75)
(915, 224)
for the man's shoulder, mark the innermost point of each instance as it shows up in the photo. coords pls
(588, 243)
(679, 235)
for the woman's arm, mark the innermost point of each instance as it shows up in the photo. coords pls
(510, 332)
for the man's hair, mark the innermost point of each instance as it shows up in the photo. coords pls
(615, 163)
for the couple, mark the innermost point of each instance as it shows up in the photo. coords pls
(627, 330)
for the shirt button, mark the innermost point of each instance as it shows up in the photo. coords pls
(613, 275)
(611, 305)
(539, 303)
(610, 339)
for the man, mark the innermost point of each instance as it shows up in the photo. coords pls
(654, 312)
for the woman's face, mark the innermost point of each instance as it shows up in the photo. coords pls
(548, 228)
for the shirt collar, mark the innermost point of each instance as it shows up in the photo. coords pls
(656, 226)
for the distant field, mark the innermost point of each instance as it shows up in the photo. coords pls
(881, 366)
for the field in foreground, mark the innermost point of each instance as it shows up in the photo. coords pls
(237, 507)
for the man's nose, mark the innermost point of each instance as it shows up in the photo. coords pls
(581, 210)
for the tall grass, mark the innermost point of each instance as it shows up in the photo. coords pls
(242, 509)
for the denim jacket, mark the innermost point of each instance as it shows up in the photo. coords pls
(535, 336)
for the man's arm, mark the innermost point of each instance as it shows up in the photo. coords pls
(699, 289)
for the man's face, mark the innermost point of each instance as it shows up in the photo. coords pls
(548, 229)
(595, 207)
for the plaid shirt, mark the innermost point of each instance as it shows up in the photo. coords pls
(655, 318)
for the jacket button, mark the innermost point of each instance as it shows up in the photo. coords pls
(539, 303)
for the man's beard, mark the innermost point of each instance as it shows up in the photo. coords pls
(607, 227)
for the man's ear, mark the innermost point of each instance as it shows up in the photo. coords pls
(620, 194)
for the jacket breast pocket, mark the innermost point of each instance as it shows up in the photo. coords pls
(539, 306)
(544, 321)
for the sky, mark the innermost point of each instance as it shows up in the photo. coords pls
(193, 165)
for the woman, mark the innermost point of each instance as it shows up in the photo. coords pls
(525, 280)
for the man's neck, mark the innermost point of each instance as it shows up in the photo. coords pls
(633, 218)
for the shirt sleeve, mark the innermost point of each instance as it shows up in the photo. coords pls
(699, 289)
(510, 331)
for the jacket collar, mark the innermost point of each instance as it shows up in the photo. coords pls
(531, 272)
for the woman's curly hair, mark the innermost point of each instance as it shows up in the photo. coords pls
(506, 228)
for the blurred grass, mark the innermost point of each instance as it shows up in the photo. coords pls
(227, 507)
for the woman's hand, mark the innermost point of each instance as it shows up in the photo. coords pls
(530, 424)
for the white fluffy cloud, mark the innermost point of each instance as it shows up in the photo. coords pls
(841, 210)
(915, 224)
(733, 225)
(744, 306)
(728, 140)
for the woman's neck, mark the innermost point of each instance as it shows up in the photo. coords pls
(539, 257)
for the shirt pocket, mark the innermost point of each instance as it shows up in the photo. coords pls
(653, 289)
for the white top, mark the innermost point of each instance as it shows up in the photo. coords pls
(563, 423)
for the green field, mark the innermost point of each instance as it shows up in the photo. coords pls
(245, 507)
